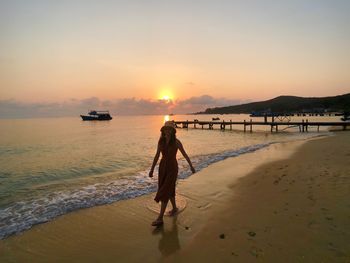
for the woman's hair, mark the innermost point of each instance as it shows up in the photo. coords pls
(162, 139)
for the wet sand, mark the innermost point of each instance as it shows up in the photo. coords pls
(289, 202)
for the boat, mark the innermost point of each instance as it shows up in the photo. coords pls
(95, 115)
(215, 119)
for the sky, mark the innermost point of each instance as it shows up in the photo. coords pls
(157, 56)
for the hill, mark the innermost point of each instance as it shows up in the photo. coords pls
(288, 104)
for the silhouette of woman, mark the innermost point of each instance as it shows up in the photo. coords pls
(168, 169)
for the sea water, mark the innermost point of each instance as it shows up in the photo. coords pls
(50, 167)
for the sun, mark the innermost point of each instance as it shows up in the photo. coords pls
(166, 97)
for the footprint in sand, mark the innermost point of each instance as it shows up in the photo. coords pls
(204, 206)
(254, 251)
(277, 180)
(217, 195)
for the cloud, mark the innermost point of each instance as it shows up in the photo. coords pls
(16, 109)
(127, 106)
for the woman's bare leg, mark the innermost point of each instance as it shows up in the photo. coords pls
(173, 202)
(162, 210)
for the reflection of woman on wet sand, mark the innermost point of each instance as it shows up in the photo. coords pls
(169, 242)
(168, 169)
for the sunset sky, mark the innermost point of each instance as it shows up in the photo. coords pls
(220, 52)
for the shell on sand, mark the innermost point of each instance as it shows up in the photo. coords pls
(153, 206)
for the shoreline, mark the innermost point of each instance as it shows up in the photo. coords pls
(72, 199)
(116, 230)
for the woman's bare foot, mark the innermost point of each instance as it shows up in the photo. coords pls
(158, 222)
(173, 211)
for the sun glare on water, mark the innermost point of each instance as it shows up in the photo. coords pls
(166, 118)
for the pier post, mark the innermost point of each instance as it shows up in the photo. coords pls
(318, 128)
(276, 127)
(230, 124)
(251, 126)
(244, 126)
(222, 125)
(307, 125)
(303, 125)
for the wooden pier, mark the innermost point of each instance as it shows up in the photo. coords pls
(274, 126)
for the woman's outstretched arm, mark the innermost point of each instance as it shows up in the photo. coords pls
(182, 150)
(156, 158)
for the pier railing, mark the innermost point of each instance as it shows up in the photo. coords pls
(274, 126)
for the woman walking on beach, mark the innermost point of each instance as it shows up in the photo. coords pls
(168, 169)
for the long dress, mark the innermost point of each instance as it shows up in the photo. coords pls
(168, 170)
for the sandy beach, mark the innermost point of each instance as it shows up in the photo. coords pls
(292, 210)
(288, 202)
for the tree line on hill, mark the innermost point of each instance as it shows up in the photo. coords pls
(288, 104)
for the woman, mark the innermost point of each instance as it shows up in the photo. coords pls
(168, 169)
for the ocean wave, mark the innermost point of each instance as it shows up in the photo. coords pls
(23, 215)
